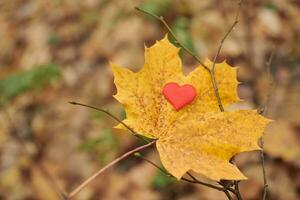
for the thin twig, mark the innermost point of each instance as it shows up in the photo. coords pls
(213, 79)
(227, 185)
(112, 116)
(237, 190)
(152, 163)
(91, 178)
(270, 61)
(191, 175)
(263, 110)
(203, 183)
(195, 180)
(228, 194)
(106, 112)
(212, 71)
(161, 19)
(262, 157)
(236, 21)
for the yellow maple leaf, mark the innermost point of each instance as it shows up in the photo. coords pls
(198, 136)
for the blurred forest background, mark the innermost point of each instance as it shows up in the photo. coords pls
(52, 52)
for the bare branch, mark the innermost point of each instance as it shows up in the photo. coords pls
(264, 109)
(195, 180)
(191, 175)
(237, 190)
(161, 19)
(152, 163)
(262, 157)
(112, 116)
(213, 79)
(212, 75)
(205, 184)
(212, 71)
(91, 178)
(236, 21)
(228, 194)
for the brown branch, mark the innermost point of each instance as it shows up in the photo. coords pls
(224, 189)
(212, 71)
(263, 111)
(203, 183)
(112, 116)
(91, 178)
(195, 180)
(212, 74)
(213, 79)
(236, 21)
(262, 157)
(237, 190)
(161, 19)
(154, 164)
(228, 194)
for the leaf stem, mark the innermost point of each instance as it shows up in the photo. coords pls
(91, 178)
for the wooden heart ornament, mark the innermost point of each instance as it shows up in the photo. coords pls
(179, 96)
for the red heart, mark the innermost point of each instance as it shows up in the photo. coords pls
(179, 96)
